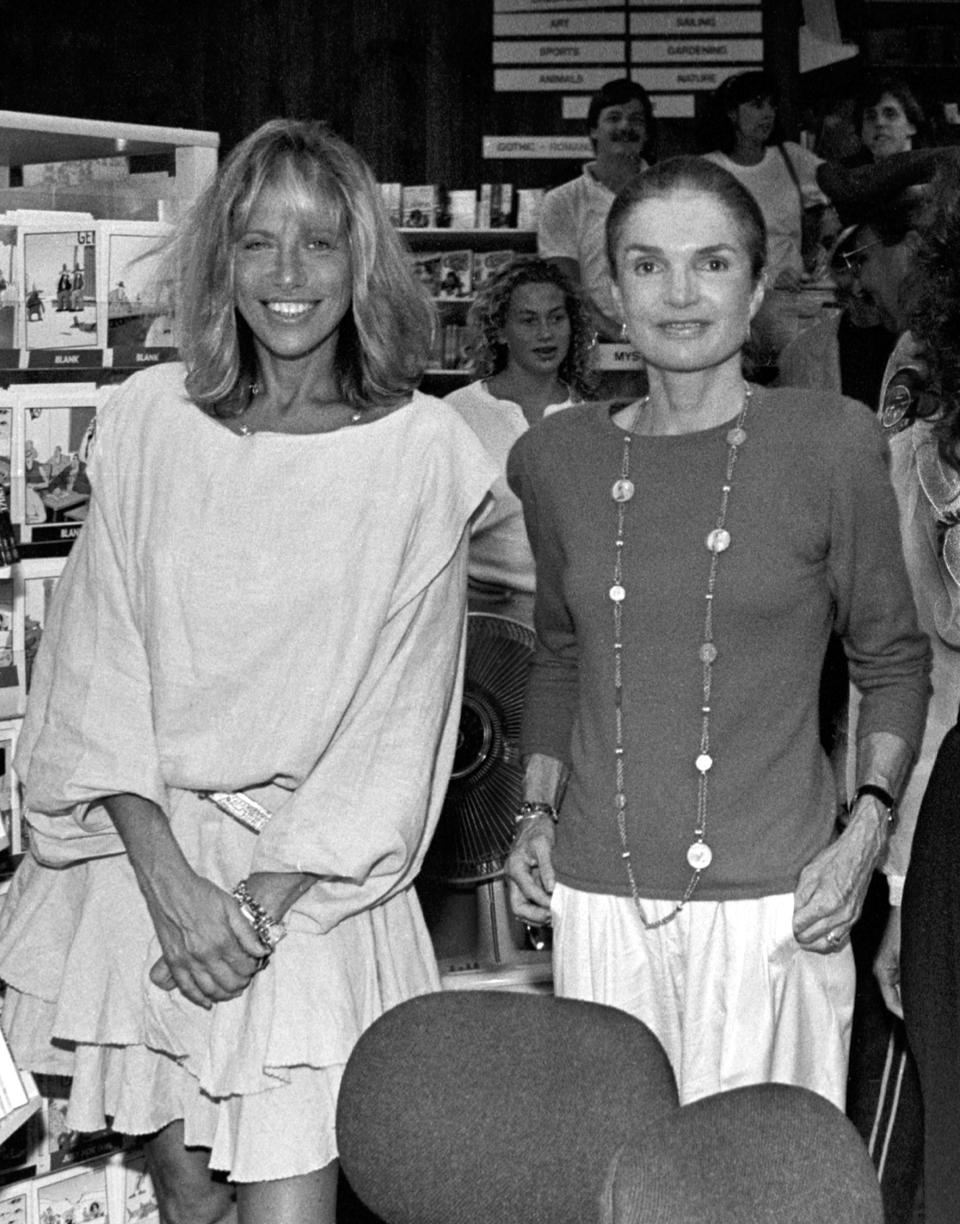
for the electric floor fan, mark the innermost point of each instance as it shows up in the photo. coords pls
(477, 826)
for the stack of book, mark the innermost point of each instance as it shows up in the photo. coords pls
(492, 206)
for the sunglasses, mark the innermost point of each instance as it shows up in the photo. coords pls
(854, 260)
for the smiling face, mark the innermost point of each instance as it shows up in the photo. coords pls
(886, 129)
(292, 279)
(684, 281)
(536, 330)
(620, 130)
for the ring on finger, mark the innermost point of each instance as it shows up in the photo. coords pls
(833, 937)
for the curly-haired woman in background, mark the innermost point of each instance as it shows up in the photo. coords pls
(530, 348)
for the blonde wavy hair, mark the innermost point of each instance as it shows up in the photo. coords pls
(384, 340)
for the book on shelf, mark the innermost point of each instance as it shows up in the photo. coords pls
(456, 275)
(390, 193)
(426, 268)
(529, 203)
(452, 353)
(486, 264)
(435, 359)
(461, 210)
(495, 206)
(421, 205)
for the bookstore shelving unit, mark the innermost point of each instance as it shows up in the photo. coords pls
(445, 374)
(33, 139)
(48, 397)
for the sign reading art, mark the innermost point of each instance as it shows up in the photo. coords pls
(553, 25)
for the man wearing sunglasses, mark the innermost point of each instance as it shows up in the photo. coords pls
(848, 348)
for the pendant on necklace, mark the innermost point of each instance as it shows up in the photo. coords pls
(718, 540)
(699, 856)
(622, 490)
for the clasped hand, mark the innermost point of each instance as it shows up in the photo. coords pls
(210, 951)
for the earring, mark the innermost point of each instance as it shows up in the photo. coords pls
(623, 332)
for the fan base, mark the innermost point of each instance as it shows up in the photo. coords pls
(473, 928)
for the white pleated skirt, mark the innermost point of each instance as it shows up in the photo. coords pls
(732, 996)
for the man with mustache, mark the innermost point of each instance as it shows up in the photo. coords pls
(574, 215)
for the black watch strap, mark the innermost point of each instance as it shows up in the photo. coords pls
(880, 793)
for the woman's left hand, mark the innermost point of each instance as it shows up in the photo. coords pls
(830, 892)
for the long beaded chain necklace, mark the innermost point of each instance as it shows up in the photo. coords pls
(699, 854)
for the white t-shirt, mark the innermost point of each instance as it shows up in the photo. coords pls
(573, 223)
(772, 186)
(500, 555)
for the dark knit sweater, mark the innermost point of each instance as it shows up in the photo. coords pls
(815, 544)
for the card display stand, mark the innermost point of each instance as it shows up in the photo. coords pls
(76, 318)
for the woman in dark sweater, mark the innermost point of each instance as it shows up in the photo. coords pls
(679, 812)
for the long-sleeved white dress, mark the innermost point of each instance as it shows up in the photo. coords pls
(278, 614)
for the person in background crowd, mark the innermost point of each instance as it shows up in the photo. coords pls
(782, 177)
(572, 220)
(791, 185)
(245, 704)
(847, 349)
(891, 120)
(917, 962)
(531, 346)
(678, 815)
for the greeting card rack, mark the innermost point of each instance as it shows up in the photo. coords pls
(80, 223)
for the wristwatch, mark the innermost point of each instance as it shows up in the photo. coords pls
(882, 795)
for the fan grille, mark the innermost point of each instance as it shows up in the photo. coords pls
(476, 825)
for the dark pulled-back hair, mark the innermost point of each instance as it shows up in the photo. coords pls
(690, 173)
(935, 310)
(384, 339)
(717, 129)
(488, 316)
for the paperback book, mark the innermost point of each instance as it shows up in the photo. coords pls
(456, 274)
(420, 206)
(426, 268)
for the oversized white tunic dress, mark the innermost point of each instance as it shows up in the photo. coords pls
(276, 614)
